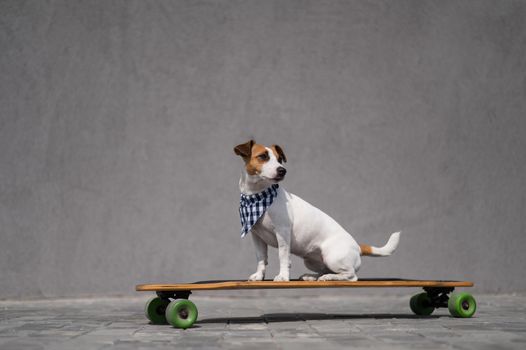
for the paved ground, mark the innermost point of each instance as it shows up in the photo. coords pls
(249, 322)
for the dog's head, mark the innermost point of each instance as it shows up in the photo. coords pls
(264, 162)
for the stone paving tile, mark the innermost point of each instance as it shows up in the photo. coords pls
(266, 322)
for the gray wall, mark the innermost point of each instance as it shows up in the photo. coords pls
(118, 120)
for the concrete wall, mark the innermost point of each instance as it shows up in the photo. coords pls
(118, 118)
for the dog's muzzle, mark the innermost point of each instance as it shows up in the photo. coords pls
(281, 171)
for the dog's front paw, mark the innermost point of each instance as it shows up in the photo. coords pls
(258, 276)
(281, 278)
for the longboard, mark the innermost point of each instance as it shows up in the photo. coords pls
(171, 305)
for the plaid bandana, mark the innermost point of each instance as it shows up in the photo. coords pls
(253, 206)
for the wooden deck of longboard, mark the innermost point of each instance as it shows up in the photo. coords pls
(268, 284)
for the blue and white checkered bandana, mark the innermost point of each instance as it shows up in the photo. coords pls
(253, 206)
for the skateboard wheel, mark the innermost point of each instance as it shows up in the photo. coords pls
(421, 304)
(181, 313)
(461, 305)
(155, 310)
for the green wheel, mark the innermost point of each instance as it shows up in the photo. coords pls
(181, 313)
(462, 305)
(421, 304)
(155, 310)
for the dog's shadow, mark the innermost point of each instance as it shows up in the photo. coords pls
(300, 317)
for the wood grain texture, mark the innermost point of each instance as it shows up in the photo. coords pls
(365, 283)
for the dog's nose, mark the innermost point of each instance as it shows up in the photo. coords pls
(281, 171)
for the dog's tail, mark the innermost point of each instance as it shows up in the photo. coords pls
(386, 250)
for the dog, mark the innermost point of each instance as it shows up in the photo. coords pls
(282, 220)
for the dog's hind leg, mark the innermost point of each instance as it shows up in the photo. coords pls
(313, 265)
(342, 263)
(342, 276)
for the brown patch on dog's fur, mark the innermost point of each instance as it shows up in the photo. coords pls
(366, 249)
(244, 150)
(250, 152)
(278, 152)
(255, 164)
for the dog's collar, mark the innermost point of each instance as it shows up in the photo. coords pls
(253, 206)
(252, 198)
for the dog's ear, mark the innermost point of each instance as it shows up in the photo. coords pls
(281, 155)
(245, 149)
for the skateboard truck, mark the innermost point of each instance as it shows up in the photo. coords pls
(438, 297)
(461, 304)
(167, 295)
(179, 312)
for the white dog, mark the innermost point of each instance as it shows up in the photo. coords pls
(282, 220)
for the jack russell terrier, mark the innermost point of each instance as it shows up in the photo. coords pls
(282, 220)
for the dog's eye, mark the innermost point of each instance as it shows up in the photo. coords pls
(263, 157)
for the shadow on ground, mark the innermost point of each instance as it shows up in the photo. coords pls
(295, 317)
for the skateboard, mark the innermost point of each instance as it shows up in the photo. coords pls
(171, 304)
